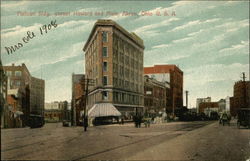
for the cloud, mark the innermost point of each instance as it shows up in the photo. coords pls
(73, 23)
(150, 29)
(73, 51)
(18, 30)
(161, 46)
(182, 40)
(193, 23)
(11, 5)
(242, 48)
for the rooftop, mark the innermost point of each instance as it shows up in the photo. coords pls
(107, 22)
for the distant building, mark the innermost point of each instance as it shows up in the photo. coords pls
(174, 76)
(233, 111)
(78, 98)
(208, 107)
(154, 96)
(227, 104)
(114, 60)
(56, 111)
(200, 100)
(222, 105)
(53, 115)
(241, 98)
(53, 106)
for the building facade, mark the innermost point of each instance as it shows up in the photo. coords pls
(37, 89)
(78, 98)
(30, 91)
(3, 96)
(53, 115)
(154, 96)
(56, 111)
(222, 105)
(208, 107)
(18, 76)
(200, 100)
(114, 60)
(241, 97)
(172, 75)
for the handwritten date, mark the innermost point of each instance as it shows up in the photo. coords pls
(29, 36)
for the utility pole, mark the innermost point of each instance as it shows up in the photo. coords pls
(186, 99)
(85, 83)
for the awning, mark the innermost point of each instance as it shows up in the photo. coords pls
(19, 112)
(103, 109)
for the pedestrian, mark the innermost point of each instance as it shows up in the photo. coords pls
(122, 120)
(139, 120)
(136, 121)
(85, 123)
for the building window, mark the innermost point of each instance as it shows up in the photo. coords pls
(18, 83)
(104, 36)
(104, 95)
(105, 51)
(105, 80)
(11, 83)
(105, 66)
(18, 73)
(8, 73)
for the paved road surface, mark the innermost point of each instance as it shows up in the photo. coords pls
(169, 141)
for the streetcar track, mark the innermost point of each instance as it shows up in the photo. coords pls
(50, 146)
(125, 145)
(96, 153)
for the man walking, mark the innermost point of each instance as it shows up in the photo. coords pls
(85, 123)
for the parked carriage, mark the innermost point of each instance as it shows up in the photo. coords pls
(243, 117)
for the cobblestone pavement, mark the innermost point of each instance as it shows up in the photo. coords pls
(54, 142)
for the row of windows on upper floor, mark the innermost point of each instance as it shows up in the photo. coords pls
(16, 83)
(130, 85)
(126, 59)
(123, 45)
(13, 73)
(133, 77)
(116, 69)
(118, 97)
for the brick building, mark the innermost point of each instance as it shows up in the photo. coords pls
(114, 59)
(78, 98)
(241, 97)
(30, 90)
(174, 76)
(154, 96)
(207, 107)
(200, 100)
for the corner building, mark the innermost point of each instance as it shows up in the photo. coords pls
(114, 60)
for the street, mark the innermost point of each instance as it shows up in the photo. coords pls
(199, 140)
